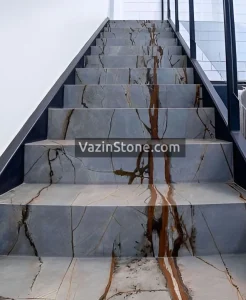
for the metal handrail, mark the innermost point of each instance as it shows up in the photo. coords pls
(231, 54)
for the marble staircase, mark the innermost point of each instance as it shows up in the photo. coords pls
(127, 227)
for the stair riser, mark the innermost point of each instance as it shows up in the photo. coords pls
(135, 50)
(134, 76)
(102, 61)
(130, 123)
(136, 30)
(138, 24)
(130, 96)
(134, 35)
(136, 42)
(87, 231)
(203, 162)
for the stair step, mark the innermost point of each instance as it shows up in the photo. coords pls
(142, 34)
(136, 30)
(132, 61)
(134, 76)
(138, 41)
(92, 220)
(205, 277)
(46, 161)
(138, 24)
(129, 123)
(137, 50)
(131, 96)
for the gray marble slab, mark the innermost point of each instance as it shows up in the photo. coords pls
(214, 277)
(134, 30)
(133, 35)
(55, 161)
(55, 278)
(102, 218)
(134, 76)
(137, 50)
(131, 96)
(138, 41)
(138, 24)
(132, 61)
(205, 277)
(190, 123)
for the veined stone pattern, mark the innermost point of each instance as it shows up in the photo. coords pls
(66, 232)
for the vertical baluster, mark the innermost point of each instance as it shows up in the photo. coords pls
(231, 66)
(192, 30)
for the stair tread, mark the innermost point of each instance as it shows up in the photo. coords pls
(136, 50)
(205, 277)
(129, 55)
(132, 84)
(143, 41)
(134, 75)
(127, 68)
(203, 161)
(54, 142)
(135, 61)
(122, 195)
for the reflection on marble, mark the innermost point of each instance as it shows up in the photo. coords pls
(138, 41)
(54, 161)
(138, 24)
(131, 61)
(190, 123)
(99, 218)
(133, 35)
(131, 96)
(134, 76)
(137, 50)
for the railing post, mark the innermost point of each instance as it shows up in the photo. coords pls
(176, 15)
(231, 66)
(168, 10)
(162, 10)
(234, 47)
(192, 30)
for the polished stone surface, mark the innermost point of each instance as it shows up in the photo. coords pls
(136, 30)
(94, 219)
(134, 76)
(131, 96)
(109, 207)
(138, 41)
(133, 35)
(205, 160)
(190, 123)
(207, 277)
(53, 279)
(131, 61)
(138, 24)
(137, 50)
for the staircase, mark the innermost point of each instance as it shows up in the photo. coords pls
(114, 227)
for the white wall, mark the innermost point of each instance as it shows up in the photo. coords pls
(38, 41)
(141, 9)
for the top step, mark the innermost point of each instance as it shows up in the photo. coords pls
(138, 24)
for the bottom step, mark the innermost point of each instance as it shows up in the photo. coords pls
(210, 277)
